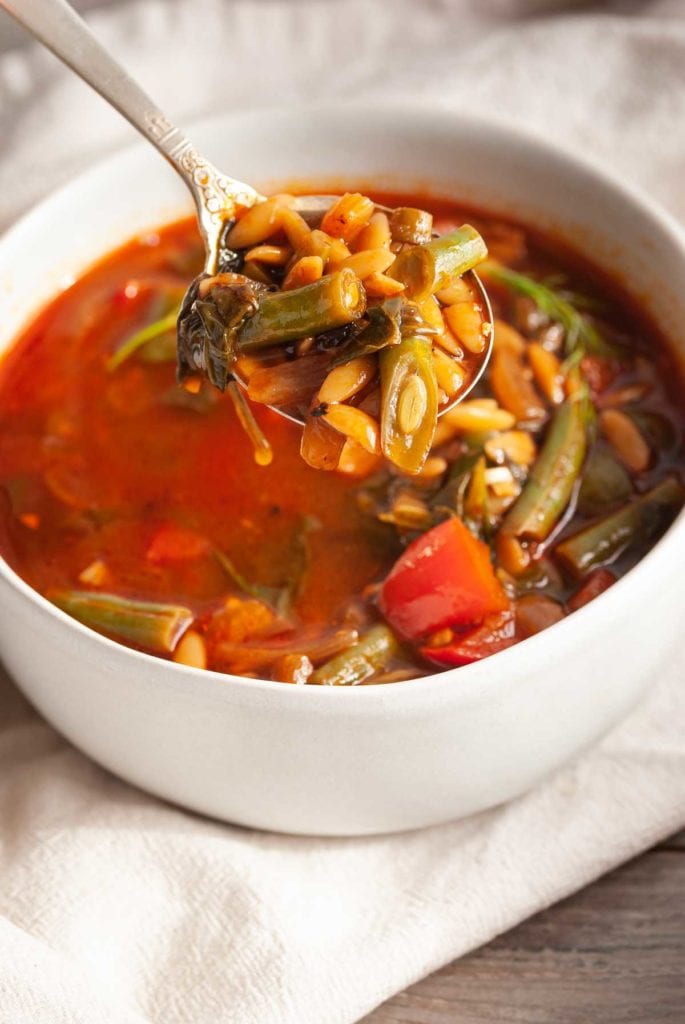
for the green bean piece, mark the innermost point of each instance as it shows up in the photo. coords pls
(407, 224)
(156, 627)
(409, 402)
(606, 482)
(282, 317)
(550, 485)
(370, 654)
(425, 269)
(638, 521)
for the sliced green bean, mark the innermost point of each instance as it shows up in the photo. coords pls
(156, 627)
(409, 402)
(638, 521)
(425, 269)
(408, 224)
(370, 654)
(282, 317)
(550, 484)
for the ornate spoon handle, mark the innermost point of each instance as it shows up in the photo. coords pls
(55, 24)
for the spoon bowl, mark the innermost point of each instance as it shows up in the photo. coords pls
(312, 208)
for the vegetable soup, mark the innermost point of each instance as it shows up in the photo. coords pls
(141, 506)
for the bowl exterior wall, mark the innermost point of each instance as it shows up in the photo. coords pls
(408, 757)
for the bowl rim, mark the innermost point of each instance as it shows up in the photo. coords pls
(492, 671)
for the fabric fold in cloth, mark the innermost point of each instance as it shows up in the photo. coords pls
(118, 909)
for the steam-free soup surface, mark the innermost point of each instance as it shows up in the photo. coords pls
(115, 482)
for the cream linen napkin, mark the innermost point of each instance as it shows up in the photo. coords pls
(118, 909)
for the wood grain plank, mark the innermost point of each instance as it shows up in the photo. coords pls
(614, 952)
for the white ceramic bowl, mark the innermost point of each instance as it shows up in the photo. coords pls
(375, 758)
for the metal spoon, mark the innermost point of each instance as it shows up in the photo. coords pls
(217, 197)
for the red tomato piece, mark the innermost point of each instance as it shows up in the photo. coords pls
(444, 578)
(495, 634)
(173, 543)
(596, 583)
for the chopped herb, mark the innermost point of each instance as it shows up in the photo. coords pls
(282, 598)
(581, 334)
(273, 596)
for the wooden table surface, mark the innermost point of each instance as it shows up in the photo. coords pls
(612, 954)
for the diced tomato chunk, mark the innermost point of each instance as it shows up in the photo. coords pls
(495, 634)
(596, 583)
(444, 578)
(172, 543)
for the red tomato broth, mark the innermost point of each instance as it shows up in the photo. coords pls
(93, 465)
(128, 463)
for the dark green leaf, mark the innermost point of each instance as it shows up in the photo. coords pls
(383, 329)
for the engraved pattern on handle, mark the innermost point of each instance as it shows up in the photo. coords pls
(57, 25)
(217, 197)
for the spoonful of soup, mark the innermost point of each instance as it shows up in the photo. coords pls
(350, 318)
(361, 327)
